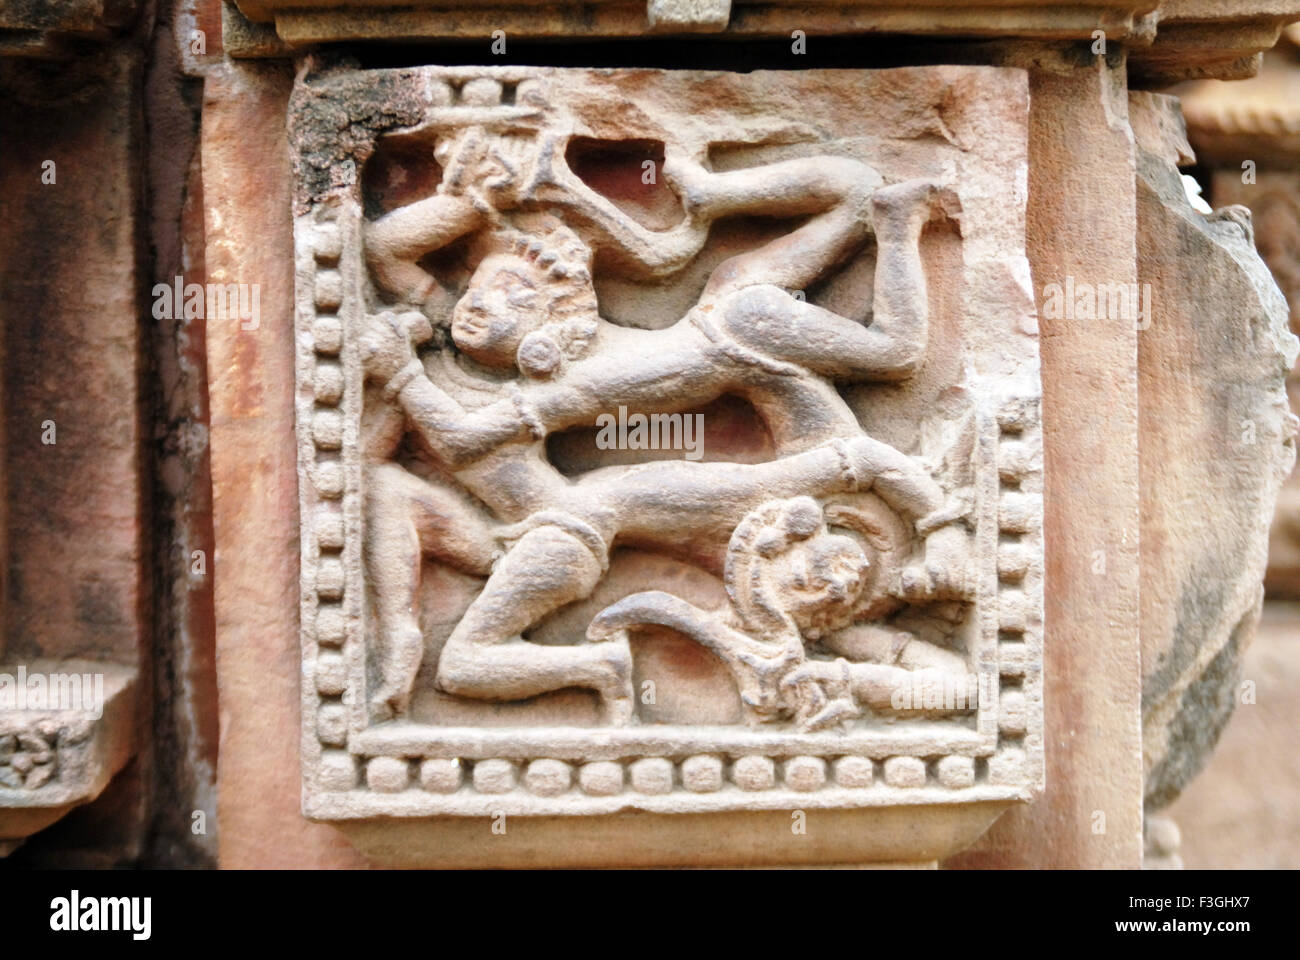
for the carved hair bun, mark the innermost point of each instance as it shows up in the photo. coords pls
(803, 517)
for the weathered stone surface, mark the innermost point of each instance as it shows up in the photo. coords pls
(497, 623)
(1214, 353)
(1249, 136)
(186, 727)
(72, 458)
(854, 772)
(755, 773)
(603, 778)
(74, 575)
(1092, 665)
(387, 774)
(956, 771)
(441, 776)
(720, 692)
(247, 197)
(905, 772)
(702, 774)
(804, 774)
(652, 776)
(687, 16)
(548, 778)
(60, 29)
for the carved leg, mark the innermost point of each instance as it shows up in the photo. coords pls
(407, 518)
(899, 213)
(892, 475)
(486, 657)
(785, 188)
(665, 501)
(835, 189)
(396, 242)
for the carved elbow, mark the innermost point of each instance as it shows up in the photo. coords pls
(911, 361)
(902, 362)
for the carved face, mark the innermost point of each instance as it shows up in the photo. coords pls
(502, 305)
(822, 578)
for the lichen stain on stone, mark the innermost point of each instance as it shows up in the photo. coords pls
(1205, 709)
(335, 121)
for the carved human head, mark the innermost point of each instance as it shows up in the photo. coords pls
(820, 580)
(530, 302)
(813, 576)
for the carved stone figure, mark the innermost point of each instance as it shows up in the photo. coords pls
(530, 306)
(850, 565)
(792, 581)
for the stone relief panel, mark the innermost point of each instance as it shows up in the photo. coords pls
(667, 440)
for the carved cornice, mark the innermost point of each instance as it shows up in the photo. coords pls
(1257, 120)
(300, 21)
(1168, 41)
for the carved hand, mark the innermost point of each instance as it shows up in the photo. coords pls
(488, 169)
(687, 177)
(823, 689)
(828, 674)
(504, 169)
(388, 342)
(945, 573)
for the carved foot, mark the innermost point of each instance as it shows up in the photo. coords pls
(392, 701)
(945, 574)
(617, 695)
(823, 694)
(759, 679)
(689, 181)
(914, 202)
(388, 704)
(832, 715)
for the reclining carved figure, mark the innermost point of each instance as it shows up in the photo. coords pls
(790, 582)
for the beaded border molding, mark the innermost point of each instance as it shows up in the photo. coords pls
(352, 770)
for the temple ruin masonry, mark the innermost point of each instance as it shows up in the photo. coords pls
(363, 326)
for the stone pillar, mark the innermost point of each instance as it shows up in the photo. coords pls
(426, 714)
(77, 588)
(246, 191)
(1084, 234)
(562, 466)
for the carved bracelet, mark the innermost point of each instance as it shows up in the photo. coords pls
(401, 378)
